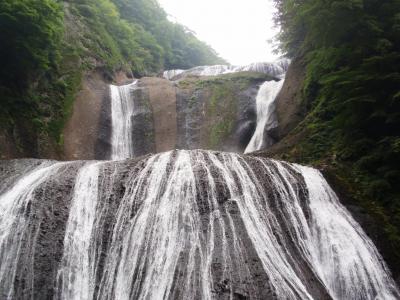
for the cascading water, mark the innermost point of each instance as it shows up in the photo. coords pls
(276, 69)
(266, 118)
(122, 110)
(77, 272)
(187, 225)
(181, 225)
(170, 74)
(15, 206)
(265, 100)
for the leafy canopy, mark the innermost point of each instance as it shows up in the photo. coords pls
(352, 88)
(31, 33)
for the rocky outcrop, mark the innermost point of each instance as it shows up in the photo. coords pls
(88, 131)
(195, 112)
(162, 100)
(142, 123)
(183, 225)
(81, 131)
(289, 109)
(218, 113)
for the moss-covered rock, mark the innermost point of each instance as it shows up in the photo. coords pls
(218, 113)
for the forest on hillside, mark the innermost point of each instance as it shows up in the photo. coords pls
(48, 45)
(351, 92)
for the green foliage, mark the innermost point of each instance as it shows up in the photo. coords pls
(222, 93)
(181, 48)
(48, 45)
(104, 39)
(31, 33)
(136, 35)
(351, 91)
(222, 110)
(31, 49)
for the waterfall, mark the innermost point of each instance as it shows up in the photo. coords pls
(122, 110)
(15, 206)
(343, 256)
(265, 99)
(172, 226)
(187, 225)
(170, 74)
(77, 272)
(277, 69)
(266, 118)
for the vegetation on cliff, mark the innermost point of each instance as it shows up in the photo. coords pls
(352, 93)
(224, 103)
(48, 45)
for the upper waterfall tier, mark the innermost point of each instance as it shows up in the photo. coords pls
(181, 225)
(276, 69)
(266, 115)
(154, 115)
(122, 111)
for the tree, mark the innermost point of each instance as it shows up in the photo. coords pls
(31, 32)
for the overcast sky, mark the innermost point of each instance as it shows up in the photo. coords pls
(238, 30)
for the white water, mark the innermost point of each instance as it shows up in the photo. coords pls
(172, 226)
(277, 69)
(76, 277)
(164, 243)
(14, 221)
(122, 110)
(340, 252)
(265, 100)
(266, 117)
(169, 74)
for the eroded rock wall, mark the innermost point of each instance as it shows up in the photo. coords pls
(162, 100)
(183, 225)
(87, 134)
(289, 109)
(216, 113)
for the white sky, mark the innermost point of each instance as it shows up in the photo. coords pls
(238, 30)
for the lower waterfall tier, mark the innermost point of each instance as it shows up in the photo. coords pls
(180, 225)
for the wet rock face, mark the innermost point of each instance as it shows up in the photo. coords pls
(190, 106)
(246, 120)
(289, 107)
(162, 98)
(41, 243)
(102, 148)
(142, 123)
(87, 134)
(47, 213)
(217, 113)
(186, 224)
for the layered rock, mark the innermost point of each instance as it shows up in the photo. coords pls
(217, 113)
(180, 225)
